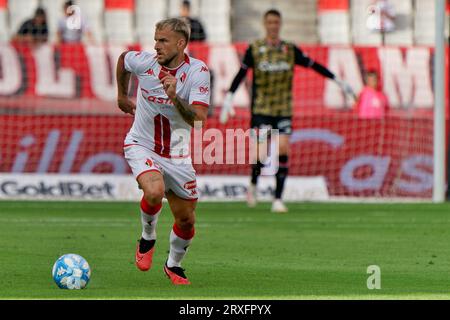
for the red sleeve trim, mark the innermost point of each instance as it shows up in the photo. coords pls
(199, 103)
(130, 145)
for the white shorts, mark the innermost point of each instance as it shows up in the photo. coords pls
(178, 174)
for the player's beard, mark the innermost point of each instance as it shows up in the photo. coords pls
(168, 61)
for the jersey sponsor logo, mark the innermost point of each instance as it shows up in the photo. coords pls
(266, 66)
(149, 162)
(159, 100)
(150, 72)
(183, 77)
(203, 90)
(190, 185)
(204, 69)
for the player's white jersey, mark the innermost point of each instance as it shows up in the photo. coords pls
(157, 124)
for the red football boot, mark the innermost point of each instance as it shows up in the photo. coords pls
(144, 260)
(176, 275)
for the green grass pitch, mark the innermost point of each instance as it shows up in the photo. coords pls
(316, 251)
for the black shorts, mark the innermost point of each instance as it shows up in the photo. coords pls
(283, 124)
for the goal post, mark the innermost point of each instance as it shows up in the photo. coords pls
(439, 186)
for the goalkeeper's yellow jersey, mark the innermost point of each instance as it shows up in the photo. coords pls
(273, 73)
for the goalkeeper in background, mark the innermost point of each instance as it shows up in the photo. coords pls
(273, 61)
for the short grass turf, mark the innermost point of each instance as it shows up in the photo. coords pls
(316, 251)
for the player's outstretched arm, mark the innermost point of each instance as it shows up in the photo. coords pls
(227, 106)
(123, 80)
(345, 87)
(190, 112)
(305, 61)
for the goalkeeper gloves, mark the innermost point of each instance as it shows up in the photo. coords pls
(345, 87)
(227, 108)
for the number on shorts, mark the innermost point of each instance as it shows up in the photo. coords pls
(162, 135)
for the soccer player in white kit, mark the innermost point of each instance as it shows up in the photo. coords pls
(173, 94)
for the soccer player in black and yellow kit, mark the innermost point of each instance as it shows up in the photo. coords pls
(273, 61)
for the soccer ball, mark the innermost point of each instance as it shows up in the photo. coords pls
(71, 271)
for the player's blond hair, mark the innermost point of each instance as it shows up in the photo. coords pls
(176, 25)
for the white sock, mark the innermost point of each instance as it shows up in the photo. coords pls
(149, 225)
(178, 246)
(149, 219)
